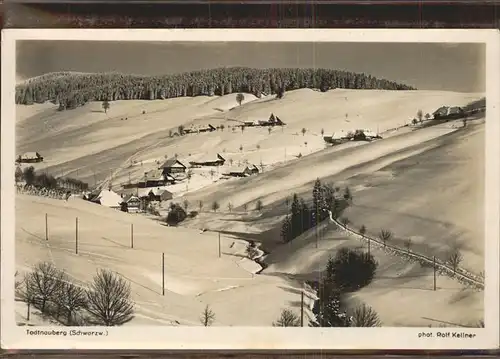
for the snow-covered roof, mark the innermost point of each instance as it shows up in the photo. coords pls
(337, 135)
(109, 198)
(29, 155)
(369, 133)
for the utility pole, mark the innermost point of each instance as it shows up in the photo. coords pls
(46, 227)
(219, 246)
(163, 273)
(302, 308)
(369, 241)
(434, 262)
(131, 235)
(76, 235)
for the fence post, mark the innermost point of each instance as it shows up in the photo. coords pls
(46, 227)
(76, 236)
(163, 273)
(131, 235)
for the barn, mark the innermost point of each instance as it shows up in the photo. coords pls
(238, 171)
(155, 178)
(171, 166)
(217, 160)
(30, 157)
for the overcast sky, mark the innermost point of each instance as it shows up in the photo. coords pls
(454, 67)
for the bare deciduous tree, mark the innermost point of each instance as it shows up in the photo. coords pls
(385, 235)
(362, 230)
(408, 244)
(207, 316)
(200, 205)
(420, 116)
(365, 316)
(259, 206)
(230, 207)
(185, 204)
(454, 259)
(240, 98)
(109, 299)
(345, 221)
(71, 299)
(42, 284)
(287, 318)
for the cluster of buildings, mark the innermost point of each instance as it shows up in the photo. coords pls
(272, 121)
(29, 157)
(153, 186)
(351, 135)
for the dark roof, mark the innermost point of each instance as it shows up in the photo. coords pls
(170, 162)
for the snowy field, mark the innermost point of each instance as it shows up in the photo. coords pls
(425, 185)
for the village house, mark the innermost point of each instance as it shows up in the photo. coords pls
(155, 194)
(133, 203)
(30, 157)
(242, 171)
(448, 113)
(172, 166)
(208, 160)
(155, 178)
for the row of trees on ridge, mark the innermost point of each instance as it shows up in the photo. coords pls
(71, 90)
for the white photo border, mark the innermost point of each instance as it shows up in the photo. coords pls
(252, 338)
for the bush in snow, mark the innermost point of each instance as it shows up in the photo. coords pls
(365, 316)
(176, 214)
(287, 318)
(351, 269)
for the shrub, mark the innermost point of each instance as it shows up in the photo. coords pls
(109, 300)
(351, 269)
(252, 252)
(327, 309)
(287, 318)
(215, 206)
(365, 316)
(176, 214)
(193, 214)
